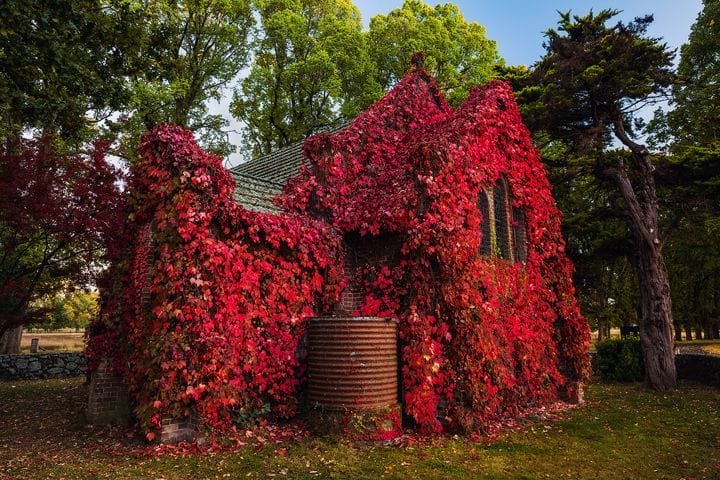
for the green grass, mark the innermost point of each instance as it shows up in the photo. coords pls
(623, 432)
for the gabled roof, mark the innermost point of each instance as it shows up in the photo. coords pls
(261, 179)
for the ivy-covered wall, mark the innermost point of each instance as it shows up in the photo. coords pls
(207, 301)
(482, 334)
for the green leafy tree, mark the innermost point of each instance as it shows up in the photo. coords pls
(598, 239)
(184, 54)
(695, 118)
(690, 130)
(694, 268)
(598, 242)
(59, 72)
(457, 52)
(311, 71)
(584, 92)
(70, 309)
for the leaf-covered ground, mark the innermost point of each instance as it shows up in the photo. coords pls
(623, 432)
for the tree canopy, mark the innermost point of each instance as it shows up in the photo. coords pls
(58, 72)
(690, 130)
(695, 119)
(311, 70)
(57, 213)
(457, 52)
(184, 54)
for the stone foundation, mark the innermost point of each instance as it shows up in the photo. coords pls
(175, 430)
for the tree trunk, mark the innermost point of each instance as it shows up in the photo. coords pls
(711, 332)
(10, 340)
(657, 330)
(688, 332)
(698, 332)
(678, 333)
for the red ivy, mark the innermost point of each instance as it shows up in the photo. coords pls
(214, 297)
(57, 211)
(211, 299)
(486, 336)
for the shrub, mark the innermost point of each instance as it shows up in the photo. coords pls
(620, 360)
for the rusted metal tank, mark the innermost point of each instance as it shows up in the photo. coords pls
(352, 363)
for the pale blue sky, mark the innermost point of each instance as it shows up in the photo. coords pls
(518, 26)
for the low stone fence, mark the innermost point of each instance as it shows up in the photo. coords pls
(42, 365)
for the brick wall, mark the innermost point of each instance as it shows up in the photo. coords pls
(108, 401)
(369, 252)
(174, 430)
(42, 365)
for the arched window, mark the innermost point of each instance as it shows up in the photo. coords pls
(503, 232)
(486, 243)
(503, 228)
(519, 235)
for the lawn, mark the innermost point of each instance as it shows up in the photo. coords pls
(623, 432)
(714, 348)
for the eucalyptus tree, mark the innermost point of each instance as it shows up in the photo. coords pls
(181, 55)
(311, 70)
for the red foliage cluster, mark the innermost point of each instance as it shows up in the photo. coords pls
(488, 336)
(57, 211)
(211, 300)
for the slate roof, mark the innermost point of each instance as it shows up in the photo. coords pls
(259, 180)
(256, 193)
(277, 166)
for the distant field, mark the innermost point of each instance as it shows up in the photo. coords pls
(710, 346)
(714, 349)
(54, 341)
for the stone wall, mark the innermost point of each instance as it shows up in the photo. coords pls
(42, 365)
